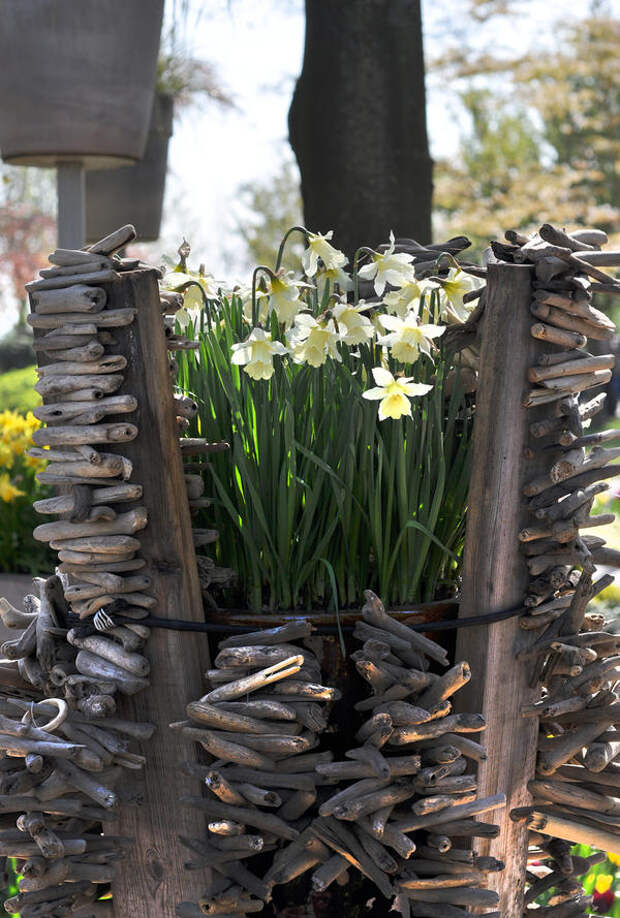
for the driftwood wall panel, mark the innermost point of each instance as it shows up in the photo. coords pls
(151, 879)
(494, 573)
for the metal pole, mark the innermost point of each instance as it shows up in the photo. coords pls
(71, 192)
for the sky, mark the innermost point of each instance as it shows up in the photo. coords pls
(256, 49)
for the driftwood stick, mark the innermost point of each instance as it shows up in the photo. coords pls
(281, 670)
(574, 831)
(243, 816)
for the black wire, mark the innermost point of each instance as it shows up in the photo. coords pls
(176, 624)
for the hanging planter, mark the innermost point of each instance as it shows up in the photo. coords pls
(77, 80)
(133, 194)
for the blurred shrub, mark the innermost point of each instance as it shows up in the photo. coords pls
(19, 552)
(16, 390)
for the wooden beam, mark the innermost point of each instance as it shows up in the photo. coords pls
(151, 880)
(494, 572)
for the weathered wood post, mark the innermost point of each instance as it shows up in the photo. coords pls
(151, 880)
(494, 572)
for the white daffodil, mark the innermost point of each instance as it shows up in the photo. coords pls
(336, 277)
(388, 268)
(407, 298)
(320, 247)
(454, 288)
(256, 354)
(394, 394)
(407, 338)
(354, 326)
(279, 294)
(193, 300)
(313, 342)
(284, 299)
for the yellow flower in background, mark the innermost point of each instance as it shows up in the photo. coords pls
(8, 491)
(256, 354)
(614, 858)
(319, 246)
(394, 394)
(603, 881)
(312, 341)
(6, 455)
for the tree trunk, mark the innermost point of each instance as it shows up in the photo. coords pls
(357, 122)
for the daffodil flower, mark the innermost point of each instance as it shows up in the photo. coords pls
(354, 326)
(8, 491)
(193, 300)
(256, 354)
(407, 298)
(283, 291)
(407, 338)
(394, 394)
(319, 246)
(388, 268)
(311, 341)
(336, 277)
(454, 288)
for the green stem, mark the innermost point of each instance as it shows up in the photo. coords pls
(205, 299)
(362, 248)
(293, 229)
(270, 273)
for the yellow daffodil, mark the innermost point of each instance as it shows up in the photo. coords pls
(388, 268)
(256, 354)
(603, 882)
(394, 394)
(319, 246)
(614, 858)
(407, 338)
(353, 325)
(8, 491)
(313, 342)
(6, 455)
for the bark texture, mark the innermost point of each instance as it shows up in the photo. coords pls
(357, 122)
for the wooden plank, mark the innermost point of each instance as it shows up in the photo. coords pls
(494, 573)
(151, 879)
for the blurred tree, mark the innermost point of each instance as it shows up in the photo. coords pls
(27, 234)
(357, 122)
(544, 135)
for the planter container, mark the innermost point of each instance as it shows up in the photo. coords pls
(133, 194)
(77, 80)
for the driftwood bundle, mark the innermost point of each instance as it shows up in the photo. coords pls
(60, 784)
(97, 534)
(575, 659)
(407, 796)
(261, 722)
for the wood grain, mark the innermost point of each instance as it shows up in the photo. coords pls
(495, 574)
(151, 878)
